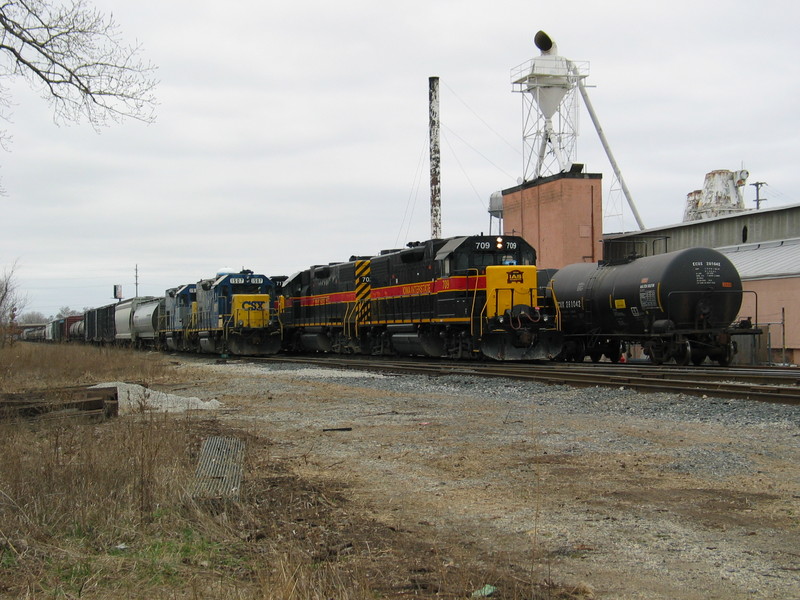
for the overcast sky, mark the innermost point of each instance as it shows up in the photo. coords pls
(295, 133)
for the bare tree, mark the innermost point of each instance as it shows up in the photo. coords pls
(33, 317)
(11, 304)
(66, 311)
(74, 56)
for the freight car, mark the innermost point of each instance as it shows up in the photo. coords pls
(64, 329)
(99, 325)
(461, 297)
(136, 321)
(123, 323)
(678, 305)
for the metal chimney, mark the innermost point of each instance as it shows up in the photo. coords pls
(435, 158)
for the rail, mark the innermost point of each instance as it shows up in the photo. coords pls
(767, 384)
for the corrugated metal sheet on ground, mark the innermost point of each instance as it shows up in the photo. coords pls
(219, 470)
(766, 260)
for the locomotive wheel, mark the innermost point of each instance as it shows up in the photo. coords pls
(595, 355)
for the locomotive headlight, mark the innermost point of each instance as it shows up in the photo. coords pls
(499, 243)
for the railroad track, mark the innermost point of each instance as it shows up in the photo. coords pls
(763, 384)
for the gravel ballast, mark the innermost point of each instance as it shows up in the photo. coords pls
(627, 495)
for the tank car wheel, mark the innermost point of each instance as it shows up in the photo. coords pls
(682, 353)
(578, 352)
(698, 356)
(730, 351)
(655, 351)
(614, 352)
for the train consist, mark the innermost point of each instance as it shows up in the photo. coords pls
(461, 297)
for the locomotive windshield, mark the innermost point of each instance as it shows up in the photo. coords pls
(254, 284)
(247, 288)
(481, 252)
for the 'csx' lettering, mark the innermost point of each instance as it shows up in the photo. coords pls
(253, 305)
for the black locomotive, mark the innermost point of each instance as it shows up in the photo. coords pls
(460, 297)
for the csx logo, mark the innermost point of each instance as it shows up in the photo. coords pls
(515, 276)
(253, 305)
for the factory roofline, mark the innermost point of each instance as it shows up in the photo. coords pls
(645, 232)
(765, 260)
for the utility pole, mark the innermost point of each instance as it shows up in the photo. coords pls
(137, 282)
(758, 199)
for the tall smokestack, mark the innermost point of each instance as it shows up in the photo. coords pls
(435, 158)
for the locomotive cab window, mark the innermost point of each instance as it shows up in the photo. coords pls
(481, 260)
(447, 266)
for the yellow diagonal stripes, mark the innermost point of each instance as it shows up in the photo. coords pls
(363, 289)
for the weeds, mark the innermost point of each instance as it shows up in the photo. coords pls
(101, 510)
(25, 366)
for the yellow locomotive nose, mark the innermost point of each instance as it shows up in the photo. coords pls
(250, 310)
(508, 286)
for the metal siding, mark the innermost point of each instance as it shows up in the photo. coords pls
(766, 260)
(764, 225)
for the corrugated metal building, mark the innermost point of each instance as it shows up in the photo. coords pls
(753, 226)
(771, 272)
(765, 248)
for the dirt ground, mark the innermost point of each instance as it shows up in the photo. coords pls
(436, 477)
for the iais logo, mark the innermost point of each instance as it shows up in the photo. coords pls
(515, 276)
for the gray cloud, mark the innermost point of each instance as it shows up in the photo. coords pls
(291, 133)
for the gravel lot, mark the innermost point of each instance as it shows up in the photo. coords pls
(620, 494)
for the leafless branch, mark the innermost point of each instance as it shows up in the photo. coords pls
(75, 57)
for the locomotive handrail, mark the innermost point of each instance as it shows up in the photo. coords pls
(557, 308)
(481, 319)
(350, 309)
(279, 313)
(474, 299)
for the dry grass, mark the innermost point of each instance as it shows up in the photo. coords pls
(101, 510)
(25, 366)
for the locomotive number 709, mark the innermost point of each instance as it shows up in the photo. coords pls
(483, 245)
